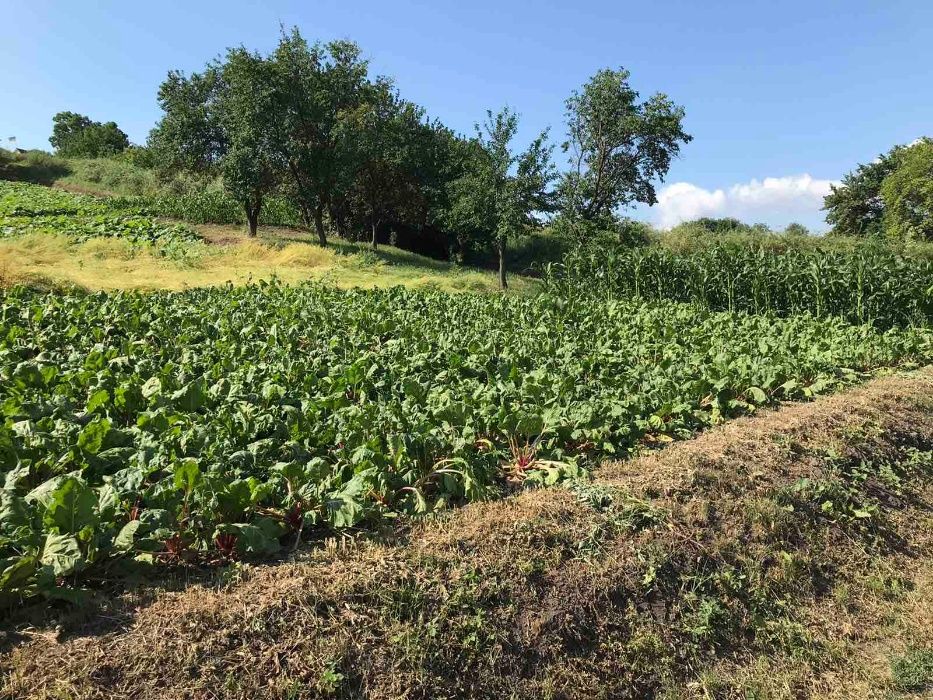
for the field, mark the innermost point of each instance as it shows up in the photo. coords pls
(877, 284)
(199, 404)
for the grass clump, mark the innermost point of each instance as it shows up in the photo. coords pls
(913, 671)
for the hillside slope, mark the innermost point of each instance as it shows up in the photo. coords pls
(784, 555)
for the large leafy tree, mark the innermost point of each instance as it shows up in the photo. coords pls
(617, 148)
(315, 85)
(381, 139)
(502, 191)
(855, 206)
(77, 136)
(907, 194)
(221, 121)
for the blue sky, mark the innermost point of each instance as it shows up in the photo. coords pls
(781, 97)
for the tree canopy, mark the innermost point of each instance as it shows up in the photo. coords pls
(502, 191)
(617, 148)
(77, 136)
(907, 194)
(857, 206)
(309, 123)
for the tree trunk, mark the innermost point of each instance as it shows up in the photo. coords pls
(319, 224)
(503, 282)
(252, 219)
(375, 242)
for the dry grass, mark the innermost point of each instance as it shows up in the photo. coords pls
(679, 574)
(113, 264)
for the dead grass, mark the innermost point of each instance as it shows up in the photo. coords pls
(232, 257)
(679, 574)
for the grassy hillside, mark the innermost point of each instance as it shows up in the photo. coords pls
(49, 236)
(114, 264)
(786, 555)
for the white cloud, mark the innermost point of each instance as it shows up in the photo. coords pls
(776, 201)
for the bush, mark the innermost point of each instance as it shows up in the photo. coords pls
(112, 176)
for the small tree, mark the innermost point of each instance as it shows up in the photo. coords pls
(617, 148)
(246, 107)
(908, 194)
(502, 191)
(796, 230)
(76, 136)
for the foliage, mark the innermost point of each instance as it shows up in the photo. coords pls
(33, 166)
(617, 147)
(189, 135)
(76, 136)
(218, 421)
(379, 141)
(501, 191)
(877, 285)
(221, 121)
(796, 229)
(307, 124)
(907, 194)
(315, 85)
(27, 208)
(913, 671)
(856, 207)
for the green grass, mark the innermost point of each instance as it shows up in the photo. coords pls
(913, 672)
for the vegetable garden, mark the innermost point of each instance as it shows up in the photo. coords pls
(26, 208)
(232, 421)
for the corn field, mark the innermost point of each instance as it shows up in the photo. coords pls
(875, 285)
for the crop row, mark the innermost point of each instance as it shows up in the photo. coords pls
(26, 208)
(872, 284)
(224, 421)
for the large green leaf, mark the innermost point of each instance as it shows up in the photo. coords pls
(62, 554)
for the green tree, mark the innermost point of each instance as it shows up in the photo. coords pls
(316, 84)
(221, 121)
(502, 191)
(246, 109)
(190, 135)
(797, 230)
(617, 147)
(856, 207)
(76, 136)
(907, 194)
(381, 138)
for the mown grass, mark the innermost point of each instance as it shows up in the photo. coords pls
(115, 264)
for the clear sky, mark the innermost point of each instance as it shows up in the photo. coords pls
(781, 97)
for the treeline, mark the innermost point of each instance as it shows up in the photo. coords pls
(307, 123)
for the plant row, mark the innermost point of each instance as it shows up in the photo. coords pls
(872, 284)
(26, 208)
